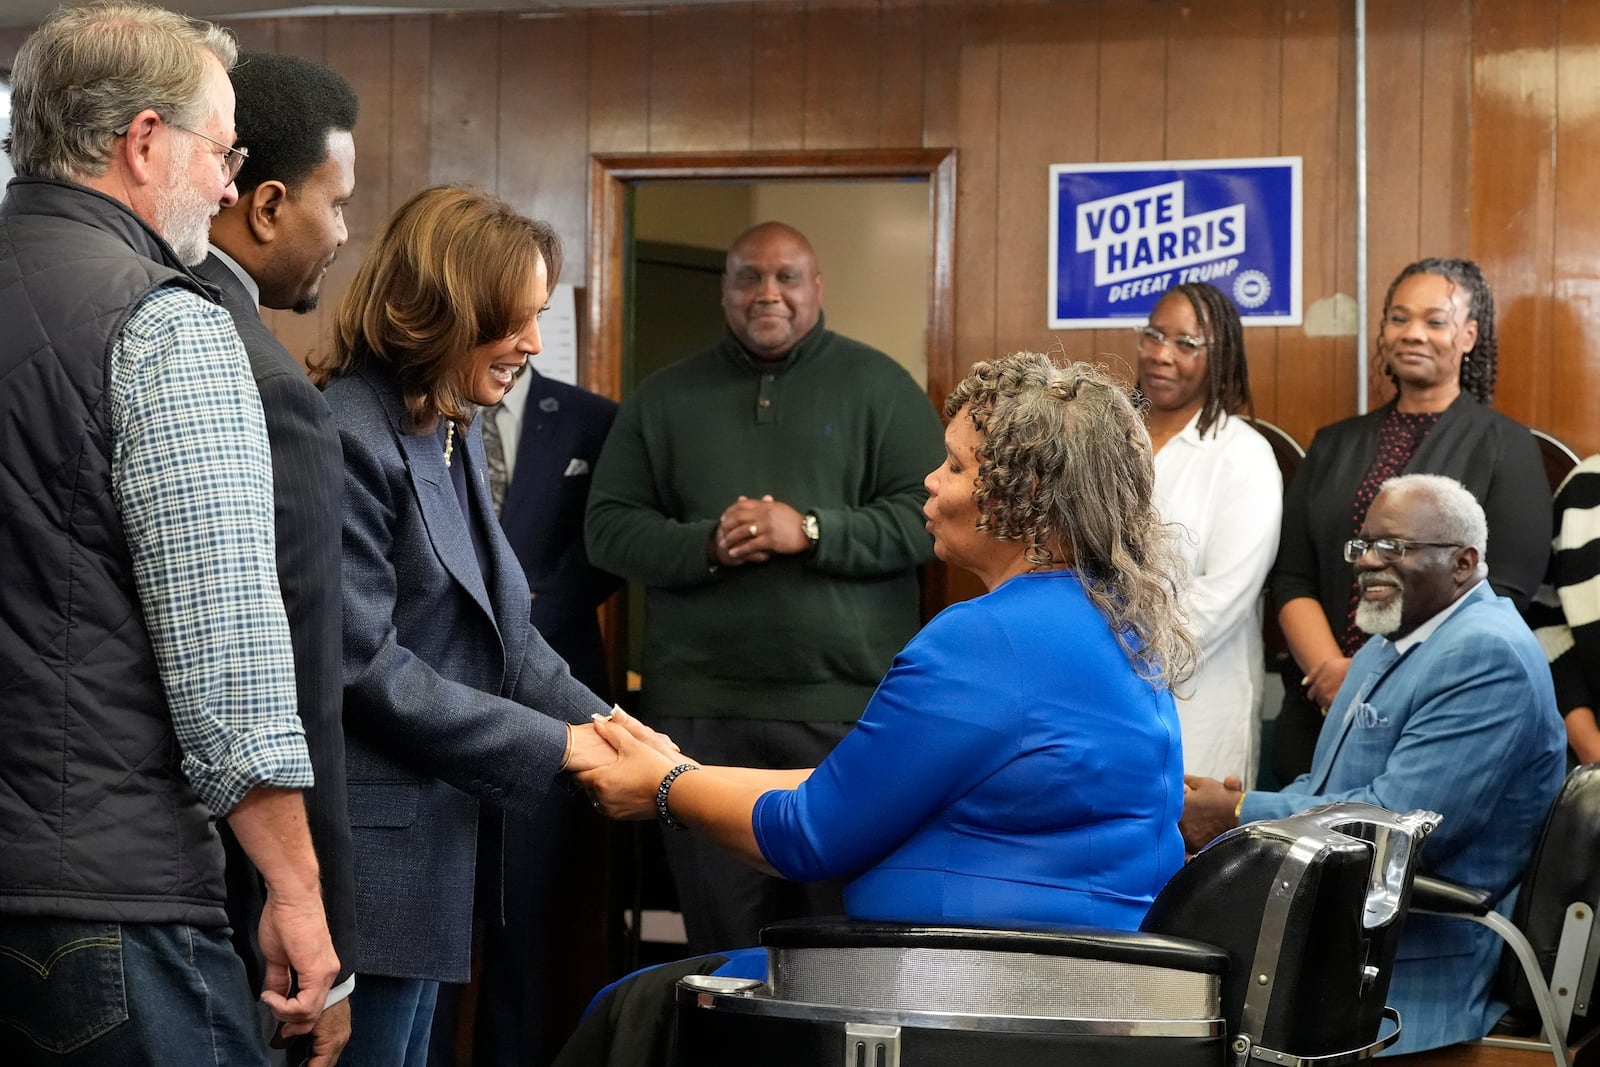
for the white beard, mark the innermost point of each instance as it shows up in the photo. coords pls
(183, 214)
(1381, 618)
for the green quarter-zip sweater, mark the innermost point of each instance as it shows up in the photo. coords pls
(836, 428)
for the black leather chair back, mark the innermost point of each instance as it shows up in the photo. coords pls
(1287, 451)
(1308, 910)
(1557, 456)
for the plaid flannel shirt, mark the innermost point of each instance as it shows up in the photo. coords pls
(192, 477)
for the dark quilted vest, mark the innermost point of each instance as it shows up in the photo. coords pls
(96, 820)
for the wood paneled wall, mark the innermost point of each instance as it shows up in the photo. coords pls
(1484, 140)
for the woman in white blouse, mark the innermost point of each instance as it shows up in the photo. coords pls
(1217, 478)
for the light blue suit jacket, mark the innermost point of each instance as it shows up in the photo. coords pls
(451, 695)
(1464, 724)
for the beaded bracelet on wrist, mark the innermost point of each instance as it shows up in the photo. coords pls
(661, 795)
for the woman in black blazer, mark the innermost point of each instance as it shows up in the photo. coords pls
(1437, 343)
(452, 698)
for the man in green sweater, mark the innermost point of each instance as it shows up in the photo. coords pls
(768, 494)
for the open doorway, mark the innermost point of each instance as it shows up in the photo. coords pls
(832, 197)
(871, 238)
(806, 189)
(615, 182)
(883, 226)
(872, 242)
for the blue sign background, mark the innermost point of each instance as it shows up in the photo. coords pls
(1162, 223)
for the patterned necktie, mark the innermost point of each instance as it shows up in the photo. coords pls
(495, 452)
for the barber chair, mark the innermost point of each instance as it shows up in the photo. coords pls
(1557, 456)
(1273, 945)
(1552, 942)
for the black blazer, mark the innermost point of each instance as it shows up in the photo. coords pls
(308, 484)
(563, 428)
(1493, 455)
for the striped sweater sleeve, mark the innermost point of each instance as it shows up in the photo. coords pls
(1567, 619)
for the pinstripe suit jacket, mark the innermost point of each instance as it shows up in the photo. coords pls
(451, 696)
(1465, 724)
(563, 429)
(307, 485)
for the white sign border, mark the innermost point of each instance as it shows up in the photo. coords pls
(1295, 164)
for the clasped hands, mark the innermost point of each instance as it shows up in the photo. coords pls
(753, 531)
(620, 762)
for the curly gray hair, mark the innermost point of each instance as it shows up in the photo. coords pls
(1065, 460)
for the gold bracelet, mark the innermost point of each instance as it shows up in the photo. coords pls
(566, 757)
(1239, 807)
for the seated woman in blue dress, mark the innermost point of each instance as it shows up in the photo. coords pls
(1021, 763)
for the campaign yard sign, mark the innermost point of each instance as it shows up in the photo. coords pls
(1122, 234)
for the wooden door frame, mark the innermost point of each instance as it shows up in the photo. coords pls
(610, 176)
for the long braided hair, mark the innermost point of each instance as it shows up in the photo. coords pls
(1227, 373)
(1479, 364)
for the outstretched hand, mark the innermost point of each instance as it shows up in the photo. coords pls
(626, 787)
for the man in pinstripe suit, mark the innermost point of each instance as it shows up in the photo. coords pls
(272, 249)
(1447, 707)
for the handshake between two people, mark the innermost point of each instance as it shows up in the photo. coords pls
(1210, 809)
(620, 762)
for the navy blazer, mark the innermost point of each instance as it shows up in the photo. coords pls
(307, 487)
(1464, 724)
(563, 429)
(451, 695)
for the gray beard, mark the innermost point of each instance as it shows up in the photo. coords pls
(1380, 618)
(183, 217)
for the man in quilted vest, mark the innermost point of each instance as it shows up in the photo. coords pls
(146, 674)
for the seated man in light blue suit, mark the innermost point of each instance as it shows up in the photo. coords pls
(1449, 707)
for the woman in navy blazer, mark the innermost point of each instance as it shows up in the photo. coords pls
(451, 697)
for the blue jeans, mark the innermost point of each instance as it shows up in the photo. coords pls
(100, 994)
(390, 1022)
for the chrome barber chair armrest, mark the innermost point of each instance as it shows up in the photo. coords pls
(1554, 999)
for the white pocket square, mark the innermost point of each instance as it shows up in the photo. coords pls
(576, 467)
